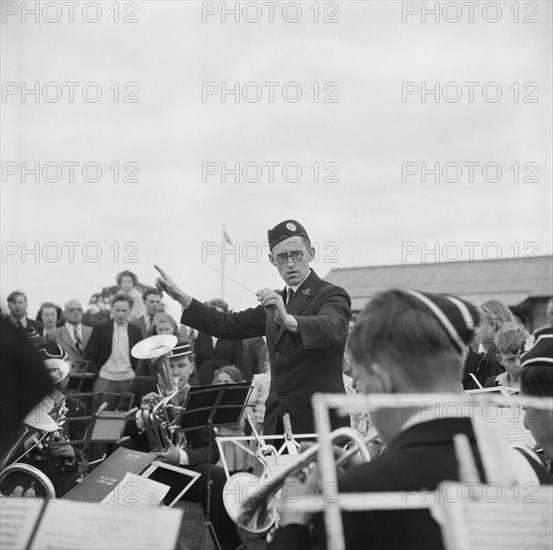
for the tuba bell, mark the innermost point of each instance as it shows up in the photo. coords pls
(257, 512)
(161, 422)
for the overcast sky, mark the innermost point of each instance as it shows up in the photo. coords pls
(366, 124)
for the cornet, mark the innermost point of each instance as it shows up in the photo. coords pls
(161, 422)
(258, 513)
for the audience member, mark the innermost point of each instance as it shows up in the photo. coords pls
(51, 317)
(146, 321)
(73, 335)
(17, 304)
(493, 314)
(127, 281)
(509, 342)
(108, 349)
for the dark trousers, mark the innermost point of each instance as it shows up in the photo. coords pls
(224, 527)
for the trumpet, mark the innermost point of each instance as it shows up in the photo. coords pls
(161, 422)
(258, 513)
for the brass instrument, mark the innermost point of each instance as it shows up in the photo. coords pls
(38, 422)
(38, 477)
(257, 513)
(161, 422)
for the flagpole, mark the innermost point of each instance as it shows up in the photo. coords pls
(223, 243)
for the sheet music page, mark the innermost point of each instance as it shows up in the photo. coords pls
(83, 526)
(510, 524)
(17, 521)
(512, 423)
(137, 491)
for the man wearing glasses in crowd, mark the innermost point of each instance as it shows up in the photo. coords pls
(306, 326)
(73, 336)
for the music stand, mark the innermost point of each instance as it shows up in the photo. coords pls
(81, 381)
(219, 404)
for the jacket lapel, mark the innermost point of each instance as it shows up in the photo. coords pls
(66, 337)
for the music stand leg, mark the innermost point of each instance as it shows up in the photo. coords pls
(208, 526)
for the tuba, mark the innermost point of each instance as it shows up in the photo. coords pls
(38, 422)
(258, 513)
(161, 422)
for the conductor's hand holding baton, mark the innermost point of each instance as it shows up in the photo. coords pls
(272, 301)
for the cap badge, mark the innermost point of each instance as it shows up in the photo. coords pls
(291, 226)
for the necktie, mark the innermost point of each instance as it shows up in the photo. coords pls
(19, 324)
(151, 324)
(78, 341)
(290, 296)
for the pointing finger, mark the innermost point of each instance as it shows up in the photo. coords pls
(161, 272)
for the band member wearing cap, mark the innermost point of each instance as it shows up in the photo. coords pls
(196, 455)
(536, 380)
(306, 327)
(58, 460)
(402, 342)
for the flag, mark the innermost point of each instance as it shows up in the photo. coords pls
(226, 237)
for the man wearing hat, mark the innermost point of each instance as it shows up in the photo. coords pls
(196, 456)
(306, 326)
(404, 342)
(536, 380)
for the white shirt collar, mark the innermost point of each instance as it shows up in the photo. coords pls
(23, 321)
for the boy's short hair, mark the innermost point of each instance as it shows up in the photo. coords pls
(130, 274)
(398, 329)
(122, 297)
(511, 338)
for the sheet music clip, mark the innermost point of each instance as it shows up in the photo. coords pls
(290, 443)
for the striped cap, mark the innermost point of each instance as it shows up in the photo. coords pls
(182, 349)
(456, 316)
(541, 354)
(51, 350)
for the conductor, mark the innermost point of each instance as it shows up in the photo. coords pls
(306, 325)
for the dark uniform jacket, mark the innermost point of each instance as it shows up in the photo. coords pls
(99, 346)
(301, 364)
(209, 358)
(418, 459)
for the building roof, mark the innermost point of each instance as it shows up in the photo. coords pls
(477, 281)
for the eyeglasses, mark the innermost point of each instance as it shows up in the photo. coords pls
(74, 309)
(296, 256)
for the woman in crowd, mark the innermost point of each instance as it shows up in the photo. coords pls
(50, 315)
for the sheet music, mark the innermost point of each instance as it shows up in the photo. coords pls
(17, 521)
(507, 524)
(83, 526)
(512, 423)
(135, 490)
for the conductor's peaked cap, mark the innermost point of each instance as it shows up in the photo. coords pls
(285, 230)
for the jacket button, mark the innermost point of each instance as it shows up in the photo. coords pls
(277, 354)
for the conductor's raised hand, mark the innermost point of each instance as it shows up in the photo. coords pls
(165, 283)
(274, 305)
